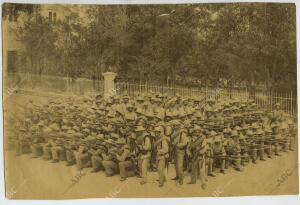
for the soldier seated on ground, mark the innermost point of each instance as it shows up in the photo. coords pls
(126, 165)
(57, 150)
(110, 161)
(71, 147)
(97, 157)
(36, 147)
(83, 158)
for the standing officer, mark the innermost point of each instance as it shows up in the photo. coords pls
(218, 155)
(144, 155)
(162, 148)
(196, 152)
(181, 143)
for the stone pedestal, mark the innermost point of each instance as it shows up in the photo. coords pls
(109, 85)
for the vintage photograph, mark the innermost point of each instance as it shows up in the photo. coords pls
(149, 101)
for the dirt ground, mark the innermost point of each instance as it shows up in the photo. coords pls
(34, 178)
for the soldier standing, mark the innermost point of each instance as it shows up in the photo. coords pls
(144, 154)
(162, 148)
(218, 155)
(196, 152)
(181, 144)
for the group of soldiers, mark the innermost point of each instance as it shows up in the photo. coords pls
(134, 135)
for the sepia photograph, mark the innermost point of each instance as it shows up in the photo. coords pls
(149, 100)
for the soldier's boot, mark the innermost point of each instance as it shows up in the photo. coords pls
(55, 156)
(62, 155)
(286, 146)
(261, 154)
(47, 153)
(222, 166)
(70, 158)
(209, 171)
(277, 150)
(254, 156)
(226, 164)
(238, 164)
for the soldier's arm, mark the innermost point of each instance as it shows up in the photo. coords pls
(183, 143)
(123, 156)
(147, 145)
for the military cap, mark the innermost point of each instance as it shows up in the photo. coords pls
(100, 136)
(259, 132)
(140, 128)
(90, 138)
(217, 139)
(290, 122)
(249, 132)
(110, 141)
(175, 122)
(277, 105)
(227, 130)
(22, 129)
(78, 134)
(255, 126)
(114, 135)
(268, 129)
(273, 125)
(130, 105)
(121, 141)
(47, 130)
(197, 128)
(86, 130)
(41, 124)
(234, 133)
(284, 125)
(237, 128)
(159, 129)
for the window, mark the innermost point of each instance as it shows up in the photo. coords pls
(50, 16)
(54, 17)
(12, 16)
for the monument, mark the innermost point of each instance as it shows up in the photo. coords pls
(109, 84)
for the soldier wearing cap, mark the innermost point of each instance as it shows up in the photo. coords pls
(161, 146)
(71, 147)
(218, 155)
(292, 133)
(196, 152)
(144, 152)
(181, 143)
(277, 137)
(55, 149)
(124, 160)
(110, 162)
(38, 139)
(83, 158)
(236, 151)
(268, 140)
(22, 145)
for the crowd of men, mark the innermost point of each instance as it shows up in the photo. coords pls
(134, 135)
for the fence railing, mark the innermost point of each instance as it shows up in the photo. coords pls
(265, 100)
(82, 86)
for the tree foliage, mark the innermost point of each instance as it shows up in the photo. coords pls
(253, 43)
